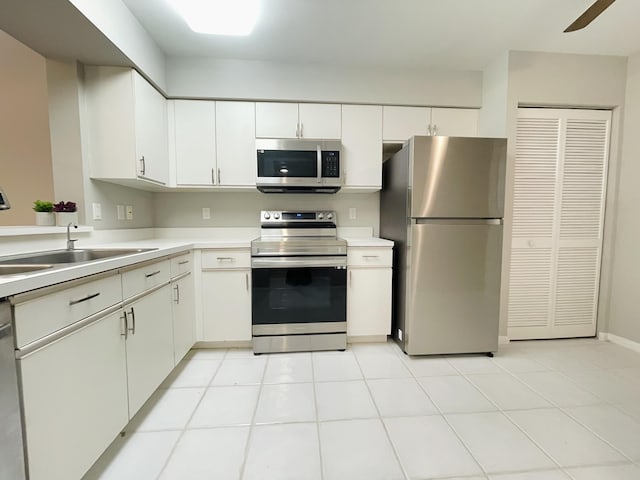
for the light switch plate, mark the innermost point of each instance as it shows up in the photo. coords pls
(353, 213)
(129, 211)
(97, 211)
(206, 213)
(120, 212)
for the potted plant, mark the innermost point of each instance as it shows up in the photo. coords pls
(44, 213)
(66, 212)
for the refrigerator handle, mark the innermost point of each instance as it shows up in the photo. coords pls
(456, 221)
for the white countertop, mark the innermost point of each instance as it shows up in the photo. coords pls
(12, 284)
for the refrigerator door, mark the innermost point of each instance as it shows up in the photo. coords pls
(453, 287)
(456, 177)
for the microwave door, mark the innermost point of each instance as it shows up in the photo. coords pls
(289, 164)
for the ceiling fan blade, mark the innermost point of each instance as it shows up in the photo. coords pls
(589, 15)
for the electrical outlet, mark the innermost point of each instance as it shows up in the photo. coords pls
(206, 213)
(129, 211)
(97, 211)
(120, 212)
(353, 213)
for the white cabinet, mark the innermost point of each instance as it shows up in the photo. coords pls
(75, 399)
(369, 292)
(183, 307)
(213, 143)
(226, 295)
(194, 141)
(362, 146)
(236, 144)
(292, 120)
(401, 123)
(127, 126)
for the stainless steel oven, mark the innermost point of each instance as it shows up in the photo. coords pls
(299, 283)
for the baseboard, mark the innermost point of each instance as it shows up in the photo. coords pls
(624, 342)
(503, 340)
(367, 339)
(239, 344)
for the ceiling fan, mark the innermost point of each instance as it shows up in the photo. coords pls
(589, 15)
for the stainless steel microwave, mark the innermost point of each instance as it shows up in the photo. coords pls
(298, 166)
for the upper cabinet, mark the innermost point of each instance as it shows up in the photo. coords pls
(127, 126)
(362, 146)
(292, 120)
(212, 143)
(401, 123)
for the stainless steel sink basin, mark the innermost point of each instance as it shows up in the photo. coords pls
(68, 256)
(17, 269)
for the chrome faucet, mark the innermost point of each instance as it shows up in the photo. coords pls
(71, 241)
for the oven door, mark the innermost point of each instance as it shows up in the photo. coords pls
(294, 295)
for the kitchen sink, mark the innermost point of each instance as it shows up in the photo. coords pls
(38, 259)
(6, 269)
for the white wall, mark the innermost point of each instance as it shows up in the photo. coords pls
(243, 209)
(495, 82)
(624, 309)
(239, 79)
(565, 80)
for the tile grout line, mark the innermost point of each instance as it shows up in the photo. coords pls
(315, 404)
(186, 425)
(384, 427)
(253, 421)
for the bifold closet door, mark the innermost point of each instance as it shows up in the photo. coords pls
(558, 208)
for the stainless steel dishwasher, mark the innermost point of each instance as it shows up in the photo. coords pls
(12, 463)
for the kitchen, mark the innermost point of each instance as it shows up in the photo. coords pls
(514, 78)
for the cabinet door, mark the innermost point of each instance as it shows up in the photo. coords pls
(151, 131)
(369, 302)
(362, 145)
(454, 122)
(401, 123)
(75, 399)
(226, 305)
(319, 120)
(236, 143)
(183, 317)
(276, 120)
(149, 345)
(195, 142)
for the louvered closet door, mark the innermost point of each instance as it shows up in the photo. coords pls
(558, 207)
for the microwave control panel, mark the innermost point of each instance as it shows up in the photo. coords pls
(330, 164)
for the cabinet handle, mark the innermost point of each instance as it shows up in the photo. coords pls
(177, 294)
(88, 297)
(350, 277)
(297, 130)
(152, 274)
(224, 259)
(184, 262)
(143, 166)
(213, 176)
(246, 281)
(434, 129)
(219, 181)
(301, 128)
(126, 326)
(371, 256)
(133, 321)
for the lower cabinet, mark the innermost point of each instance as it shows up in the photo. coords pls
(369, 292)
(226, 305)
(149, 345)
(75, 399)
(183, 312)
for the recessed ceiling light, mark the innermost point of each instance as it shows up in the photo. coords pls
(219, 17)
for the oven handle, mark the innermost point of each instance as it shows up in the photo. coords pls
(299, 262)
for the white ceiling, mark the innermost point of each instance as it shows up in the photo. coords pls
(450, 34)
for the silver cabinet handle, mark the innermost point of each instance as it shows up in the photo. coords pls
(319, 160)
(246, 281)
(371, 256)
(143, 166)
(301, 128)
(88, 297)
(184, 262)
(297, 130)
(219, 181)
(133, 321)
(213, 176)
(350, 272)
(435, 129)
(148, 275)
(225, 259)
(126, 326)
(429, 130)
(177, 300)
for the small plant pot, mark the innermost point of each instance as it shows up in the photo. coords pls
(64, 218)
(45, 219)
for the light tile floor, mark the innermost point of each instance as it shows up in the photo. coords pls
(544, 410)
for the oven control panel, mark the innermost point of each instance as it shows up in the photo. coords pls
(270, 217)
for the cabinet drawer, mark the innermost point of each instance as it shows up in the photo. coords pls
(369, 257)
(40, 315)
(181, 264)
(226, 259)
(144, 277)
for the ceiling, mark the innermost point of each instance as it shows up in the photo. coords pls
(448, 34)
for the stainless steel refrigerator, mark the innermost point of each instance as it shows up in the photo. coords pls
(442, 203)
